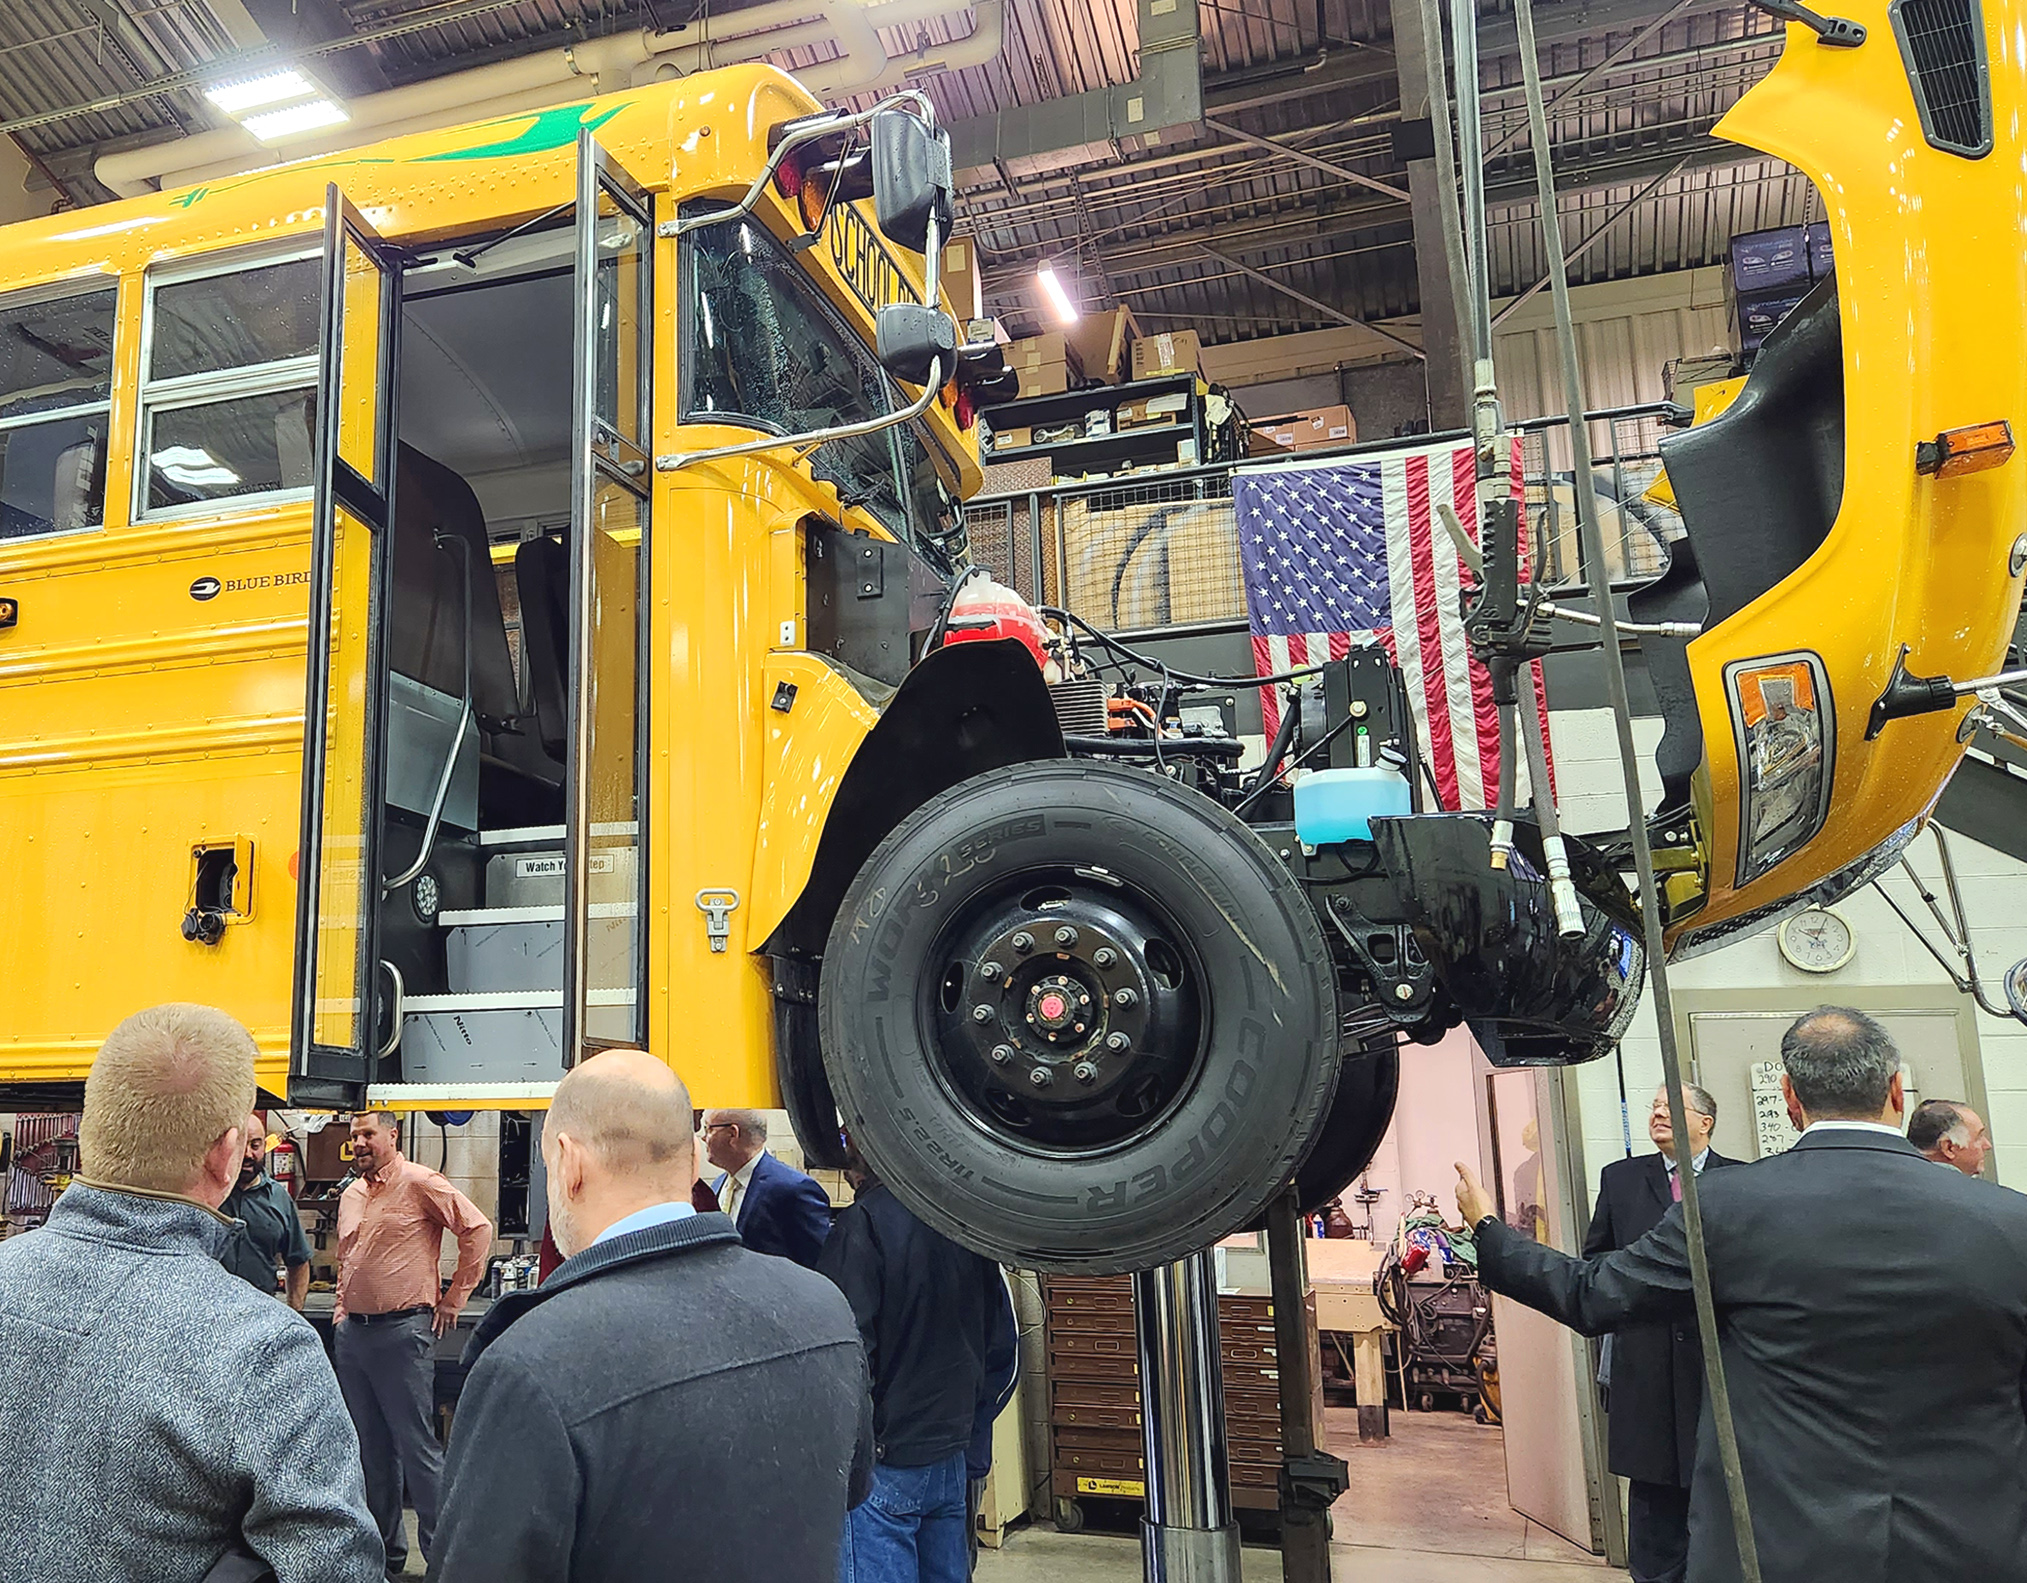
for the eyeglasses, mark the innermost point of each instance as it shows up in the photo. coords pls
(721, 1126)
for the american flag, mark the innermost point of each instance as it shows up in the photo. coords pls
(1343, 552)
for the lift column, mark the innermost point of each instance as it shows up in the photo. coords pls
(1188, 1534)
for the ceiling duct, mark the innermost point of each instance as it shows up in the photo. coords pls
(594, 66)
(1166, 96)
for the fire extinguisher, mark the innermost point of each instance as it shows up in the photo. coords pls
(281, 1165)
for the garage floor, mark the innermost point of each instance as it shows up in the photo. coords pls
(1427, 1506)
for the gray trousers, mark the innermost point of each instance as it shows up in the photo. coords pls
(388, 1374)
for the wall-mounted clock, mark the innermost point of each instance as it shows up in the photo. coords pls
(1818, 940)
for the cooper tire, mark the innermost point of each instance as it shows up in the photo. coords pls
(1234, 1063)
(1368, 1084)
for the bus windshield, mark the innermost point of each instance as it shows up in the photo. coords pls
(762, 348)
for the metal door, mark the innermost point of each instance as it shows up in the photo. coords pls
(334, 1027)
(1553, 1441)
(611, 469)
(1738, 1058)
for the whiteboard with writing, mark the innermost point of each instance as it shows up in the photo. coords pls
(1776, 1134)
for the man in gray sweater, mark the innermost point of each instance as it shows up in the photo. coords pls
(158, 1412)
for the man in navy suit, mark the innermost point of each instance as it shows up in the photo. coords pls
(777, 1209)
(1655, 1392)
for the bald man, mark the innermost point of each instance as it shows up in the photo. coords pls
(668, 1404)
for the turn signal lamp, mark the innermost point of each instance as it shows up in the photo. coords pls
(1954, 452)
(847, 180)
(803, 157)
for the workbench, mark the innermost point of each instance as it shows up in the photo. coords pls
(1341, 1273)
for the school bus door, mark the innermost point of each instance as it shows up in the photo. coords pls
(605, 855)
(334, 1028)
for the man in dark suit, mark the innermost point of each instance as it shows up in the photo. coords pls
(668, 1407)
(1655, 1388)
(1872, 1312)
(777, 1209)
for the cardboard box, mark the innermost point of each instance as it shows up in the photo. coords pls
(1316, 429)
(959, 279)
(1017, 438)
(1116, 563)
(1773, 260)
(1171, 352)
(1098, 342)
(1757, 316)
(1147, 412)
(1047, 364)
(1822, 261)
(1260, 443)
(1204, 579)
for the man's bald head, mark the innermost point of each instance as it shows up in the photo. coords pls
(617, 1139)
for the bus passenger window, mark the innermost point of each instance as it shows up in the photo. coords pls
(228, 391)
(55, 384)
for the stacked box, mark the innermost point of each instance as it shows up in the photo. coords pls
(1313, 429)
(1822, 263)
(1047, 364)
(1770, 274)
(1172, 352)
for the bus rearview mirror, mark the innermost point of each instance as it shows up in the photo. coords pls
(911, 180)
(909, 337)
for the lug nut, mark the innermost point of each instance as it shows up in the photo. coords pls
(1124, 997)
(1085, 1072)
(1041, 1077)
(1066, 936)
(1076, 1027)
(981, 1014)
(1023, 941)
(1083, 1000)
(1001, 1054)
(1404, 992)
(1118, 1042)
(1104, 956)
(991, 970)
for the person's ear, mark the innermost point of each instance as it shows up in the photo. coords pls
(224, 1158)
(1896, 1095)
(1796, 1115)
(572, 1165)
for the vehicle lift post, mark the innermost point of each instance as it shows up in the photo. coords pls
(1188, 1534)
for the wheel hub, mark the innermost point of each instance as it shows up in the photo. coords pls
(1067, 1016)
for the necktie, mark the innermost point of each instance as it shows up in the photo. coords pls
(732, 1185)
(1675, 1186)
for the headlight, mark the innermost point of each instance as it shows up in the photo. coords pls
(1786, 736)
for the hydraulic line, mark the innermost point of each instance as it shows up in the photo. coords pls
(1593, 541)
(1170, 671)
(1569, 914)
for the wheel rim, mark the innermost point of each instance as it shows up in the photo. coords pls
(1064, 1014)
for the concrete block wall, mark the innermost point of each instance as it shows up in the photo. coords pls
(1888, 957)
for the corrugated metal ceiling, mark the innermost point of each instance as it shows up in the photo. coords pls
(1133, 231)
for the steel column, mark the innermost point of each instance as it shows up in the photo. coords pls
(1188, 1534)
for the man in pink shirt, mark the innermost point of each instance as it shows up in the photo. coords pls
(391, 1309)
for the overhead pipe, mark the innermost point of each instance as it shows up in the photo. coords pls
(594, 66)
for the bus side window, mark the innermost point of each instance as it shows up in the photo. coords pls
(55, 386)
(228, 384)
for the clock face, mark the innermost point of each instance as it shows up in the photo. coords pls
(1817, 941)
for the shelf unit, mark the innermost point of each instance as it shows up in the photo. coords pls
(1151, 445)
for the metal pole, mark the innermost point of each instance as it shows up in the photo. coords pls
(1593, 542)
(1188, 1534)
(1310, 1477)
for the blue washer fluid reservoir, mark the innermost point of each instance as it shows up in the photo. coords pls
(1339, 805)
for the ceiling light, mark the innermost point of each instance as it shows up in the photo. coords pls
(253, 93)
(192, 467)
(1059, 299)
(275, 125)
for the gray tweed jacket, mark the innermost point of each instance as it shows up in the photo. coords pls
(156, 1408)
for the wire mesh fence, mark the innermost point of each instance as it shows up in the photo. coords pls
(1157, 551)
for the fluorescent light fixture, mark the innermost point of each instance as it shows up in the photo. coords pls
(192, 467)
(255, 93)
(1059, 299)
(275, 125)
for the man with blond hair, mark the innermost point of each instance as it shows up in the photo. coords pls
(669, 1405)
(160, 1414)
(391, 1311)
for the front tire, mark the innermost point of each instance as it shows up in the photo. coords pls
(1079, 1018)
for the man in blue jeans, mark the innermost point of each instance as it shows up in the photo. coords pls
(935, 1320)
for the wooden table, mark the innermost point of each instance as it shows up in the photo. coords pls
(1341, 1272)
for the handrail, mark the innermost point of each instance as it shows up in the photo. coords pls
(457, 741)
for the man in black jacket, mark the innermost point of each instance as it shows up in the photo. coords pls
(1873, 1316)
(1656, 1373)
(933, 1318)
(668, 1404)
